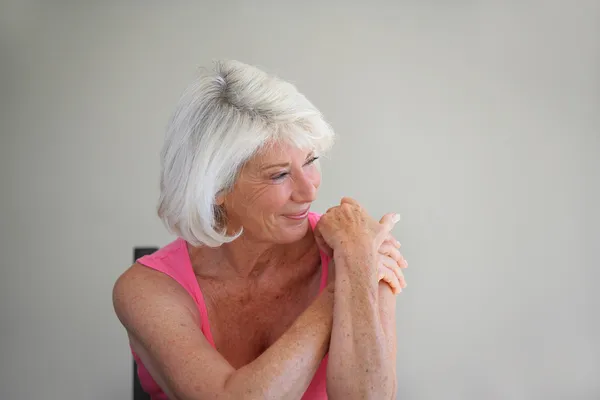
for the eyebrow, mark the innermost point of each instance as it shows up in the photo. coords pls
(287, 164)
(275, 165)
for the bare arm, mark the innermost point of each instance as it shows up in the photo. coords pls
(362, 339)
(163, 324)
(387, 315)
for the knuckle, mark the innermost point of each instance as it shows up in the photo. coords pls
(346, 207)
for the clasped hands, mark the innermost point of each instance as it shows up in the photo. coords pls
(348, 229)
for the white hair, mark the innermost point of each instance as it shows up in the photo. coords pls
(223, 119)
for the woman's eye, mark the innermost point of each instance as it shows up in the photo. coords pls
(279, 176)
(284, 174)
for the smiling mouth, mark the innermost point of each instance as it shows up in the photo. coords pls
(301, 215)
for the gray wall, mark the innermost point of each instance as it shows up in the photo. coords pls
(478, 121)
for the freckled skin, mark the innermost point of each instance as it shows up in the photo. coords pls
(248, 314)
(271, 326)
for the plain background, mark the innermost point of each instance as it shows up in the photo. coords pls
(477, 121)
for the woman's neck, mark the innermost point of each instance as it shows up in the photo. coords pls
(244, 257)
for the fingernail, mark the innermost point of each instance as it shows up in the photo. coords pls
(396, 218)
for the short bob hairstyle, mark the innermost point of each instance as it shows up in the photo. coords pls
(221, 121)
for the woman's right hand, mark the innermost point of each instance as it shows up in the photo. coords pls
(349, 226)
(340, 228)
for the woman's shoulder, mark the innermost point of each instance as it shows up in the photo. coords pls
(173, 249)
(140, 289)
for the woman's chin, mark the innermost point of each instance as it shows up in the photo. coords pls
(294, 232)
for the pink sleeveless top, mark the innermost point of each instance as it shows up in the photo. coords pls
(174, 260)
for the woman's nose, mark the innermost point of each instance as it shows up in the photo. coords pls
(305, 190)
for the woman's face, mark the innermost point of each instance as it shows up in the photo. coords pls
(272, 195)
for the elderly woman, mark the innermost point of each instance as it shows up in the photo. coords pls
(246, 303)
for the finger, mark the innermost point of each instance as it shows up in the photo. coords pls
(330, 209)
(324, 247)
(387, 249)
(321, 244)
(391, 239)
(388, 276)
(349, 200)
(389, 221)
(391, 265)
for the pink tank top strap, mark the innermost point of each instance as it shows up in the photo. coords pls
(174, 261)
(171, 260)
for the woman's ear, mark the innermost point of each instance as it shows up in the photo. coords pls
(219, 210)
(220, 199)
